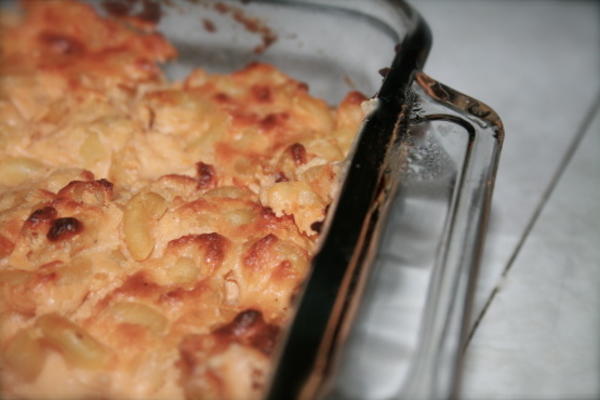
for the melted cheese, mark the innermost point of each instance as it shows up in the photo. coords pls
(152, 233)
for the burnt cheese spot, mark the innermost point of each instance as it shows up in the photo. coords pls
(106, 184)
(221, 98)
(265, 338)
(298, 153)
(241, 323)
(274, 120)
(249, 328)
(206, 175)
(317, 226)
(64, 228)
(61, 44)
(280, 177)
(262, 93)
(117, 8)
(40, 216)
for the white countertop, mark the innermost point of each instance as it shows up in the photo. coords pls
(536, 328)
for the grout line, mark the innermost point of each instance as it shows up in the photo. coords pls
(567, 157)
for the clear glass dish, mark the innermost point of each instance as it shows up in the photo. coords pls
(430, 149)
(417, 188)
(407, 338)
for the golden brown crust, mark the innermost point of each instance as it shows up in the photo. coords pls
(139, 214)
(204, 358)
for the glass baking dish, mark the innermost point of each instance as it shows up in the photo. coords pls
(416, 190)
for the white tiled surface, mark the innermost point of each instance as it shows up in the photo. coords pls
(545, 322)
(537, 63)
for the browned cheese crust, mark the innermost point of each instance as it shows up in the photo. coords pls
(152, 233)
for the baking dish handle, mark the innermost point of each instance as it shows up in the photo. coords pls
(435, 374)
(434, 97)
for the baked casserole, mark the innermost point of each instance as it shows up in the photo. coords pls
(153, 233)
